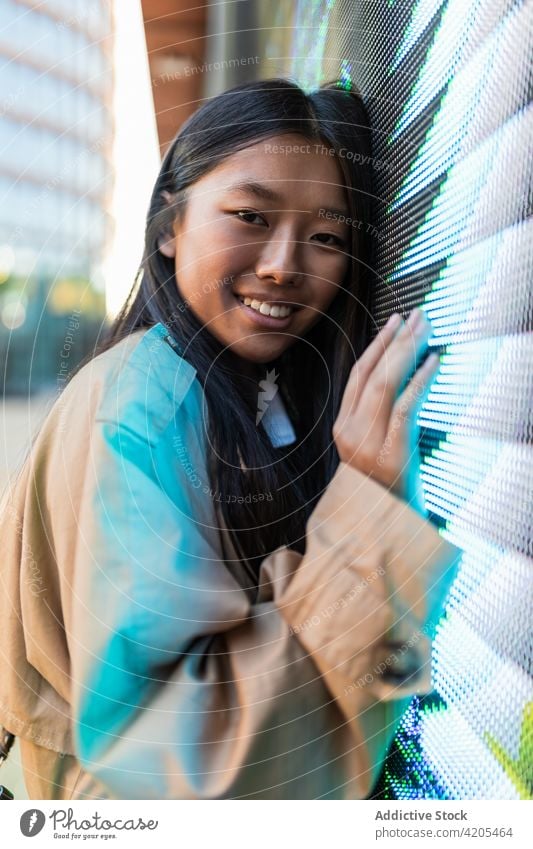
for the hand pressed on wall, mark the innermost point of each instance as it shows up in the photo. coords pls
(376, 430)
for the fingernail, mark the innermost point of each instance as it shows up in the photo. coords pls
(415, 318)
(394, 321)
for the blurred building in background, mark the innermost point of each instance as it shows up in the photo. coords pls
(56, 178)
(175, 39)
(197, 51)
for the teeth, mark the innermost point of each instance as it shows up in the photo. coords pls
(275, 310)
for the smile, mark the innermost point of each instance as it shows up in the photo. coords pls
(264, 314)
(275, 310)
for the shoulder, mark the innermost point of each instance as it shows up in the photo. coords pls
(140, 383)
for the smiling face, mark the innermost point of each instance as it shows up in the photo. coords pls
(255, 233)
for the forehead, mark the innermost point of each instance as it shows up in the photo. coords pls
(286, 163)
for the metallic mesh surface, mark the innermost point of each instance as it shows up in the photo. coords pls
(447, 85)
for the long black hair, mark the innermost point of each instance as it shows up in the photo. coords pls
(282, 484)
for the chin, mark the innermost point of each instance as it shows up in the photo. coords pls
(265, 356)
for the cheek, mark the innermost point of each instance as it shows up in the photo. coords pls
(328, 291)
(331, 267)
(224, 231)
(198, 263)
(219, 249)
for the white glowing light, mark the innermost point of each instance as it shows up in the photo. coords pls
(135, 153)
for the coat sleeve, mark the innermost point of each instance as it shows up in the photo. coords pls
(182, 688)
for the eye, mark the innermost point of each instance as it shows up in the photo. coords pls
(241, 213)
(336, 243)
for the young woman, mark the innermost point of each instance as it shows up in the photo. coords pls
(219, 580)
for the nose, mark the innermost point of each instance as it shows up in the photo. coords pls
(279, 260)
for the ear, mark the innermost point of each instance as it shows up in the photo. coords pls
(167, 242)
(167, 245)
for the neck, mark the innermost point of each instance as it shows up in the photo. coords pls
(253, 371)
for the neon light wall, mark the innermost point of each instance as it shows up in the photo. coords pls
(447, 85)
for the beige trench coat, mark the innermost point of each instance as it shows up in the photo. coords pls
(294, 689)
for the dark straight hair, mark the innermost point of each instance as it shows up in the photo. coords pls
(282, 484)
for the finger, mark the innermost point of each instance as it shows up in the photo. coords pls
(392, 370)
(366, 363)
(373, 352)
(413, 397)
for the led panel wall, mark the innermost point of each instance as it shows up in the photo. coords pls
(447, 86)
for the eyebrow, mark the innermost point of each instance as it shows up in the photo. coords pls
(266, 193)
(251, 187)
